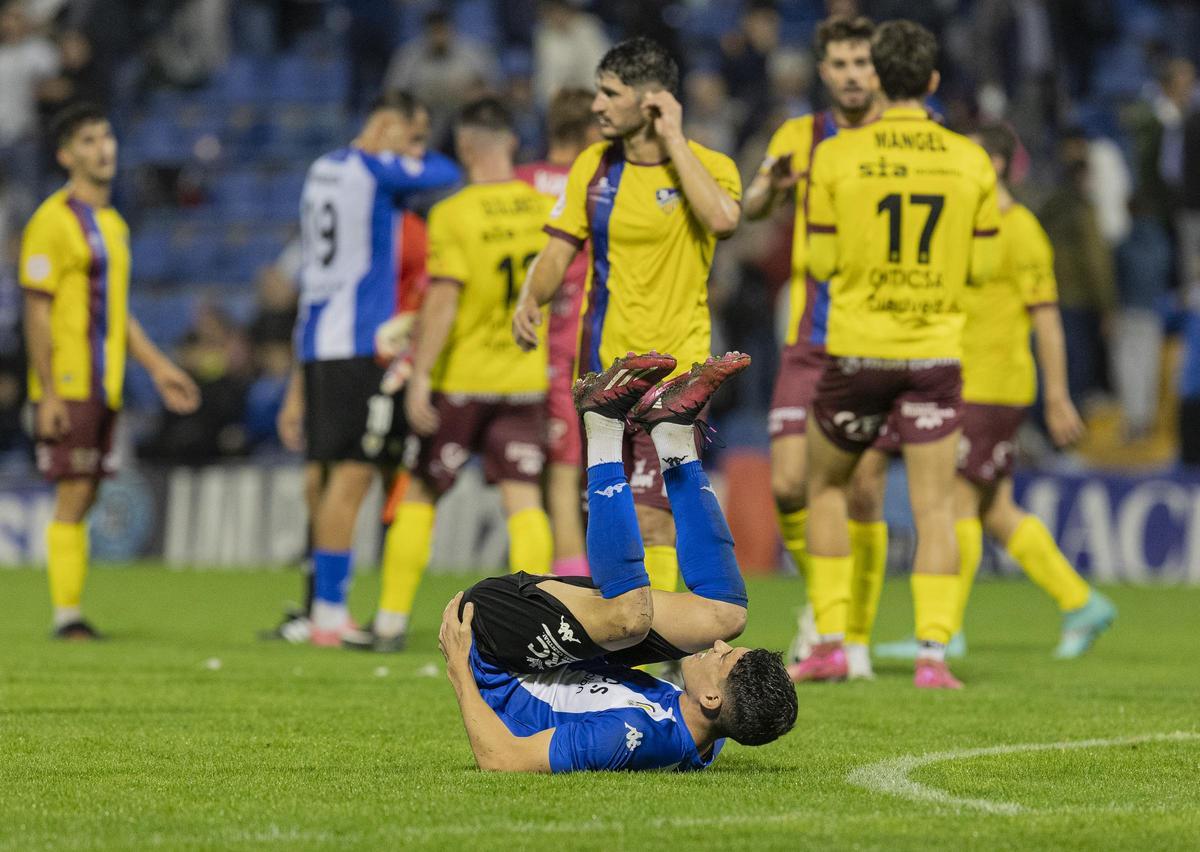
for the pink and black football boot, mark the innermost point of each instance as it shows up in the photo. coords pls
(616, 390)
(681, 399)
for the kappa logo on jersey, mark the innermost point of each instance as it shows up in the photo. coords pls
(667, 198)
(633, 737)
(566, 633)
(611, 490)
(926, 415)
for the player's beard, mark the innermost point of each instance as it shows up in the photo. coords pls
(855, 113)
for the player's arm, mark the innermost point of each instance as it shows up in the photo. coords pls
(1063, 421)
(434, 324)
(290, 422)
(823, 261)
(495, 747)
(985, 247)
(179, 393)
(53, 420)
(542, 281)
(774, 181)
(406, 175)
(717, 210)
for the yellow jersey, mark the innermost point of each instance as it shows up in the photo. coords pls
(998, 366)
(809, 299)
(650, 257)
(483, 239)
(79, 256)
(901, 214)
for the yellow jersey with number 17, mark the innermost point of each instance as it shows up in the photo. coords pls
(78, 256)
(483, 239)
(650, 256)
(998, 365)
(901, 213)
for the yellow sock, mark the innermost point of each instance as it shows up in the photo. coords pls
(405, 554)
(829, 580)
(868, 544)
(969, 533)
(935, 604)
(794, 528)
(1032, 546)
(530, 543)
(662, 564)
(66, 563)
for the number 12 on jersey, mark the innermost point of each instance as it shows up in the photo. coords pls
(893, 205)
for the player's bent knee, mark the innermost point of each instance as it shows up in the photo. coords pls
(629, 619)
(729, 620)
(789, 490)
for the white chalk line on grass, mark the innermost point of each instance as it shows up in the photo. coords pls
(891, 776)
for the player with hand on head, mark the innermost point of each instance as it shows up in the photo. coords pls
(652, 204)
(75, 277)
(902, 214)
(472, 389)
(999, 384)
(843, 50)
(347, 291)
(541, 667)
(572, 128)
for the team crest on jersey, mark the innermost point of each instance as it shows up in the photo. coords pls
(667, 198)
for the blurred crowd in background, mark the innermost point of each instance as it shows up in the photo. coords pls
(220, 106)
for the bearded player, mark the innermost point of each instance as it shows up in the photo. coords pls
(541, 667)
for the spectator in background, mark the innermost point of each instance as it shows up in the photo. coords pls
(746, 51)
(81, 76)
(1189, 388)
(790, 74)
(194, 44)
(1155, 127)
(1188, 223)
(713, 119)
(442, 69)
(568, 44)
(1083, 265)
(27, 61)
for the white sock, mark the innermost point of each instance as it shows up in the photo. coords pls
(329, 616)
(676, 444)
(389, 625)
(935, 651)
(605, 438)
(64, 615)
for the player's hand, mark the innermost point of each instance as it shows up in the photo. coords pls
(526, 321)
(781, 175)
(290, 423)
(666, 113)
(1065, 425)
(454, 636)
(396, 377)
(418, 405)
(53, 419)
(179, 393)
(392, 338)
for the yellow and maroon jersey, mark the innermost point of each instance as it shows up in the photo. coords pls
(901, 214)
(650, 257)
(809, 298)
(483, 239)
(998, 365)
(78, 256)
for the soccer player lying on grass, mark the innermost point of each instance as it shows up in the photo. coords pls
(543, 667)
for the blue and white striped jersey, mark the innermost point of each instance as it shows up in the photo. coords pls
(603, 716)
(348, 269)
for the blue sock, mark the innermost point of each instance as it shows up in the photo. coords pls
(702, 537)
(331, 575)
(614, 542)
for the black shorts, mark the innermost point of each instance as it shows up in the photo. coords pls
(346, 418)
(523, 629)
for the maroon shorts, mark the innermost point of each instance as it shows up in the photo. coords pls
(87, 449)
(856, 396)
(800, 368)
(985, 453)
(511, 437)
(565, 428)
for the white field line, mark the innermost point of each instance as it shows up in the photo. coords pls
(891, 776)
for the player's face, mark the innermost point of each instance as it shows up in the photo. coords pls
(617, 107)
(705, 671)
(848, 74)
(91, 153)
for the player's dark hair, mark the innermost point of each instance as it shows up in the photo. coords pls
(570, 116)
(641, 62)
(487, 113)
(71, 118)
(905, 55)
(999, 140)
(841, 29)
(400, 100)
(760, 699)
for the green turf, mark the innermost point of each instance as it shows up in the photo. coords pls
(138, 743)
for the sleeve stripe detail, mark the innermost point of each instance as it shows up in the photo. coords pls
(815, 228)
(986, 232)
(446, 279)
(563, 235)
(1043, 304)
(39, 292)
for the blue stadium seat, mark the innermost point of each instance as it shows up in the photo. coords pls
(238, 195)
(151, 254)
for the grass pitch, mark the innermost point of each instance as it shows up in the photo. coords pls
(184, 732)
